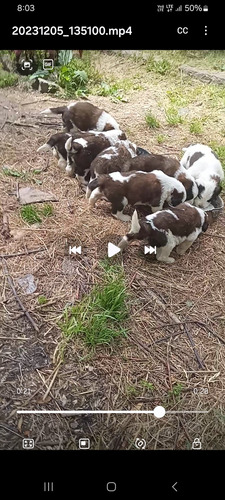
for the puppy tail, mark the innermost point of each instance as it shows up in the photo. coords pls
(135, 226)
(55, 111)
(91, 186)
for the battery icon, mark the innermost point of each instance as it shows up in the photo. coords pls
(205, 8)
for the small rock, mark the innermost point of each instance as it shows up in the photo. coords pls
(27, 283)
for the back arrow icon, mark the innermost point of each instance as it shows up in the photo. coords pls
(174, 485)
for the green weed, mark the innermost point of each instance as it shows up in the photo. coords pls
(196, 127)
(42, 300)
(29, 214)
(172, 116)
(151, 120)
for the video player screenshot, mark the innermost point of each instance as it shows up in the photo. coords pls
(112, 345)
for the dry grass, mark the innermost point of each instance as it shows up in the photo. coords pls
(156, 364)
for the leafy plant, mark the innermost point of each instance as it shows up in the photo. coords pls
(176, 390)
(40, 73)
(147, 385)
(7, 79)
(64, 57)
(13, 173)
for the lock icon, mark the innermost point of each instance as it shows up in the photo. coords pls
(196, 445)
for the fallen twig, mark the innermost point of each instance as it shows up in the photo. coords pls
(5, 231)
(194, 348)
(8, 255)
(18, 124)
(6, 272)
(164, 307)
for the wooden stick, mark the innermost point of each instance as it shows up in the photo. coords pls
(194, 348)
(5, 226)
(164, 307)
(6, 272)
(21, 124)
(8, 255)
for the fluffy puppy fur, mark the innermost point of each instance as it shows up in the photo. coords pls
(175, 227)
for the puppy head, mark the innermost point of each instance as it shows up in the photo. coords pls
(207, 193)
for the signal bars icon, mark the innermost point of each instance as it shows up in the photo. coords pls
(179, 9)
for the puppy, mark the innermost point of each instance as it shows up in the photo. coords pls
(153, 189)
(175, 227)
(203, 164)
(170, 166)
(84, 116)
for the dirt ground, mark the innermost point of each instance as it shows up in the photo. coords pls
(175, 340)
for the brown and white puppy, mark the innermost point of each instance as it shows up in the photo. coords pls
(84, 116)
(57, 142)
(136, 188)
(82, 151)
(175, 227)
(112, 159)
(170, 166)
(203, 164)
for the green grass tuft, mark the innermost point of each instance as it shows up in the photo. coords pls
(151, 120)
(29, 214)
(160, 138)
(196, 127)
(47, 210)
(161, 66)
(172, 116)
(32, 214)
(98, 318)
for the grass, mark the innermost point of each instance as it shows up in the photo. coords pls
(172, 117)
(47, 210)
(33, 214)
(29, 214)
(7, 79)
(151, 120)
(196, 127)
(42, 300)
(99, 317)
(161, 66)
(176, 390)
(161, 138)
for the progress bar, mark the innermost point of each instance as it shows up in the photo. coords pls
(158, 412)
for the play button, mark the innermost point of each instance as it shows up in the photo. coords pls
(113, 249)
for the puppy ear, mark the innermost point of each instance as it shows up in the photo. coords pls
(68, 144)
(217, 190)
(200, 189)
(205, 223)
